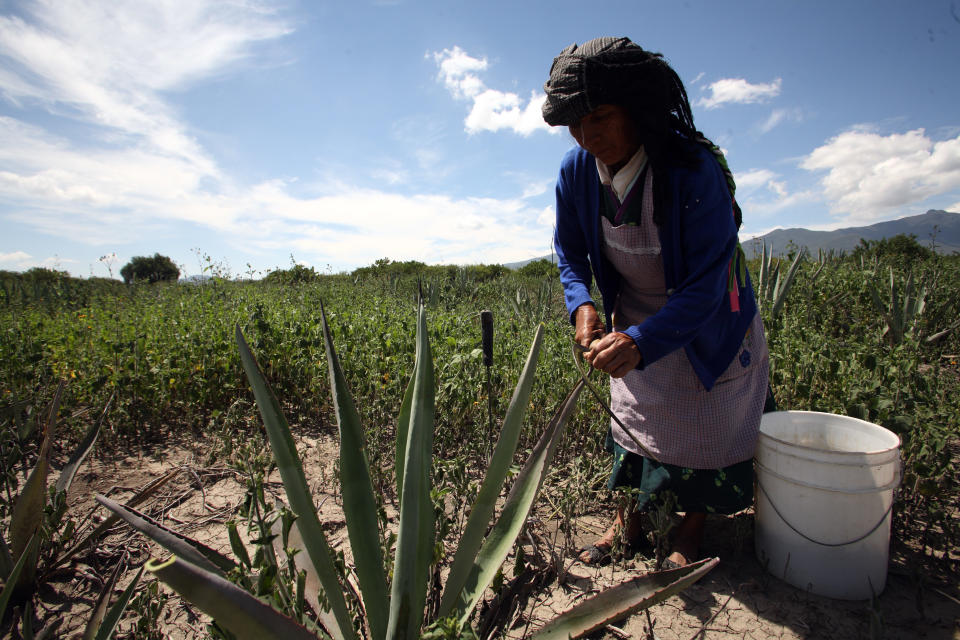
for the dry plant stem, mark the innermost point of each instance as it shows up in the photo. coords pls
(579, 350)
(651, 635)
(944, 594)
(703, 628)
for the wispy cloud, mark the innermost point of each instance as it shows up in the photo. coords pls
(762, 192)
(21, 260)
(140, 173)
(492, 110)
(739, 91)
(779, 116)
(107, 64)
(16, 259)
(434, 228)
(870, 174)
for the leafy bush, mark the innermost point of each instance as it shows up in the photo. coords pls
(145, 269)
(295, 275)
(902, 248)
(541, 268)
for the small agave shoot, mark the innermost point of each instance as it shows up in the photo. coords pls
(396, 611)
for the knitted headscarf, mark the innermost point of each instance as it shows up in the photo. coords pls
(585, 76)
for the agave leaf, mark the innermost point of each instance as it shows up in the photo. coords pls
(416, 533)
(236, 544)
(116, 611)
(782, 290)
(28, 510)
(617, 602)
(66, 476)
(6, 560)
(233, 608)
(301, 560)
(515, 509)
(11, 584)
(103, 601)
(27, 513)
(187, 548)
(298, 493)
(764, 267)
(139, 497)
(403, 426)
(489, 491)
(359, 504)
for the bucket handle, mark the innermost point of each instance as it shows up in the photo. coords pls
(893, 484)
(825, 544)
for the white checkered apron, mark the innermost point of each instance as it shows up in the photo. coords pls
(665, 405)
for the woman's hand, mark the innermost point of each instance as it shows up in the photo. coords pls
(589, 326)
(615, 353)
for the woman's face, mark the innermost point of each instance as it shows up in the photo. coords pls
(608, 133)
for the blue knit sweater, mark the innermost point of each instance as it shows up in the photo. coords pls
(697, 243)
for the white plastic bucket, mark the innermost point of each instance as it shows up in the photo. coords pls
(823, 502)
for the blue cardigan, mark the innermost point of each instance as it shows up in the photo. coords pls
(697, 242)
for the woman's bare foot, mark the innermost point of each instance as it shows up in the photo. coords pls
(686, 543)
(595, 552)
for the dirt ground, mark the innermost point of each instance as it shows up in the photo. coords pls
(737, 599)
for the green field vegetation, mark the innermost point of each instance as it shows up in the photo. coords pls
(872, 334)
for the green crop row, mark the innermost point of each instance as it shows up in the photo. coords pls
(165, 352)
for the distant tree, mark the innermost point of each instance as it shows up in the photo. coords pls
(156, 269)
(903, 248)
(297, 274)
(387, 267)
(541, 268)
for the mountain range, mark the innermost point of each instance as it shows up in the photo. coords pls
(936, 228)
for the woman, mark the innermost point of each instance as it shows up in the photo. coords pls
(645, 207)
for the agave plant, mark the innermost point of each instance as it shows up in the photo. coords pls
(901, 308)
(395, 610)
(31, 552)
(773, 286)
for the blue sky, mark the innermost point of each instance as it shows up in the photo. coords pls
(335, 133)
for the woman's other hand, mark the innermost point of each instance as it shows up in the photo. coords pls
(589, 327)
(615, 353)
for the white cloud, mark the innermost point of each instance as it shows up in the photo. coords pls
(16, 259)
(430, 228)
(761, 193)
(778, 116)
(108, 63)
(142, 173)
(112, 197)
(537, 188)
(457, 70)
(492, 110)
(869, 174)
(739, 91)
(21, 261)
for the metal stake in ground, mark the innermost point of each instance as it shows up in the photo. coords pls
(486, 338)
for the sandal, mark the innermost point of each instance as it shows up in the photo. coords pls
(668, 564)
(597, 553)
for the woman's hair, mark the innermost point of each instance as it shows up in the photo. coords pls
(617, 71)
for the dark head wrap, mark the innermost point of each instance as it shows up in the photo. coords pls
(600, 71)
(617, 71)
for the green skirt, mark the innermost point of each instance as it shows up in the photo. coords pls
(727, 490)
